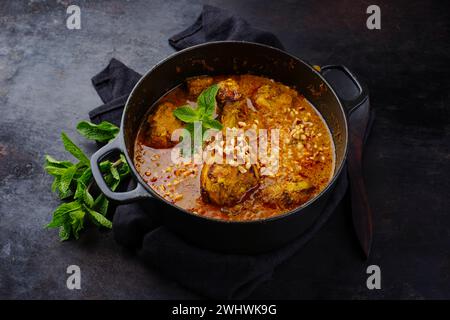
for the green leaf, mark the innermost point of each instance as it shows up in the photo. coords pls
(124, 169)
(109, 179)
(64, 232)
(113, 185)
(206, 101)
(124, 172)
(105, 166)
(186, 114)
(79, 192)
(60, 215)
(52, 162)
(80, 170)
(55, 171)
(74, 150)
(65, 195)
(77, 221)
(69, 217)
(114, 173)
(88, 199)
(206, 105)
(103, 132)
(212, 124)
(101, 204)
(98, 218)
(55, 184)
(82, 182)
(66, 179)
(191, 128)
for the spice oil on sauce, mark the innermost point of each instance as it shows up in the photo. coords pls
(306, 149)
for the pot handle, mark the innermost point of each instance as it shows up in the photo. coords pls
(354, 97)
(137, 193)
(351, 92)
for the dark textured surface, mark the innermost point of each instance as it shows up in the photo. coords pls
(45, 73)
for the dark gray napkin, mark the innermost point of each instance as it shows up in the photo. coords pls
(216, 24)
(212, 274)
(113, 85)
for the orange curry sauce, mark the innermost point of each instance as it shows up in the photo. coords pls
(306, 153)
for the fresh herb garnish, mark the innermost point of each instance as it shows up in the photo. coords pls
(74, 182)
(204, 113)
(102, 132)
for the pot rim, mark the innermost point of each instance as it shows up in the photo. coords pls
(154, 194)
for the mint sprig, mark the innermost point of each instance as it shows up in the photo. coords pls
(206, 104)
(102, 132)
(74, 183)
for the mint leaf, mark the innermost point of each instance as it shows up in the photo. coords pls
(55, 184)
(82, 182)
(114, 173)
(77, 221)
(206, 105)
(98, 218)
(65, 195)
(103, 132)
(88, 199)
(55, 171)
(124, 169)
(74, 149)
(113, 186)
(64, 232)
(70, 217)
(66, 179)
(105, 166)
(60, 215)
(186, 114)
(206, 101)
(101, 204)
(190, 127)
(212, 124)
(52, 162)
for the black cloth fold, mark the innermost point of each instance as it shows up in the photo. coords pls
(211, 274)
(113, 85)
(216, 24)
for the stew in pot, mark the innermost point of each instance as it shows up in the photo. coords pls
(298, 166)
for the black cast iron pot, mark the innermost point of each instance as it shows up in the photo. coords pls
(231, 57)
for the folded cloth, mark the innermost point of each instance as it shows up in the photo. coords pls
(216, 24)
(211, 274)
(113, 85)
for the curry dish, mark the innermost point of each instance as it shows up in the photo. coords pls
(233, 190)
